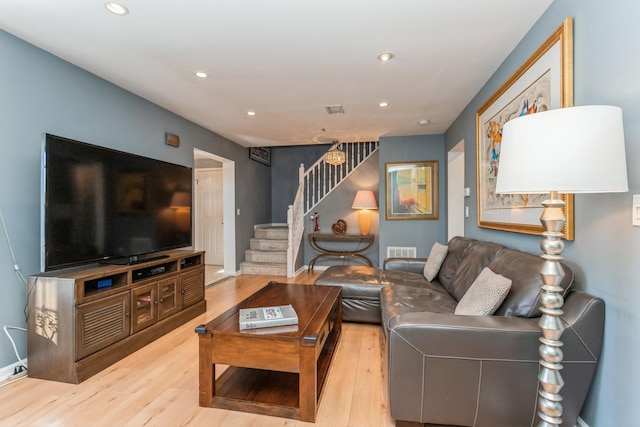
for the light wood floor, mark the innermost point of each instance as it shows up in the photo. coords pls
(158, 385)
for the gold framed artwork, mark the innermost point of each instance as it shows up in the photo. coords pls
(412, 190)
(543, 82)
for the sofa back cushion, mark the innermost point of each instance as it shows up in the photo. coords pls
(456, 248)
(464, 262)
(524, 271)
(478, 256)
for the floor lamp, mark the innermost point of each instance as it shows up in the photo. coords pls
(567, 150)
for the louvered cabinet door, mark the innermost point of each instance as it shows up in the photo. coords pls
(191, 287)
(102, 323)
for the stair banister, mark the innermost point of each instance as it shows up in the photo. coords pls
(295, 221)
(316, 183)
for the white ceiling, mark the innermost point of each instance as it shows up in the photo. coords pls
(287, 59)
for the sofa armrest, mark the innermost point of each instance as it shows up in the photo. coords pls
(448, 369)
(475, 337)
(411, 265)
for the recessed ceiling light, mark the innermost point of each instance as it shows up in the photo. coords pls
(251, 113)
(385, 56)
(201, 74)
(383, 104)
(423, 122)
(116, 8)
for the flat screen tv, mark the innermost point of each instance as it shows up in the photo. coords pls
(103, 205)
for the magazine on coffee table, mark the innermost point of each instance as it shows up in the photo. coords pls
(265, 317)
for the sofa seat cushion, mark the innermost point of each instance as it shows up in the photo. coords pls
(360, 291)
(358, 282)
(398, 299)
(416, 280)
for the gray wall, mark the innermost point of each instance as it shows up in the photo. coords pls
(421, 234)
(41, 93)
(285, 162)
(605, 252)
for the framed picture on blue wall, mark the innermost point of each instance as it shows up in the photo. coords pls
(543, 82)
(260, 154)
(412, 190)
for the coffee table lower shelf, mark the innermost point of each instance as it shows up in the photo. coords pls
(269, 392)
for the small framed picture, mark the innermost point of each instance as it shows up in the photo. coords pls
(260, 154)
(412, 190)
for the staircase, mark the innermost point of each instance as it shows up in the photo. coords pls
(268, 252)
(274, 250)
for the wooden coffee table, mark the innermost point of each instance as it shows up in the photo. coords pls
(277, 371)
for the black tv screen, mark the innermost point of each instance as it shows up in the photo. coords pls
(103, 205)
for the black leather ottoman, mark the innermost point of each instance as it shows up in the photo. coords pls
(360, 291)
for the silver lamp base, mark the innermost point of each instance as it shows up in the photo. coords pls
(552, 300)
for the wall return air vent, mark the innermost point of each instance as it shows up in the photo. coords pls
(401, 252)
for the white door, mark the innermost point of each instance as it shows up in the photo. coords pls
(456, 206)
(209, 234)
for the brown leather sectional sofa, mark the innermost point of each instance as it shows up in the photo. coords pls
(447, 369)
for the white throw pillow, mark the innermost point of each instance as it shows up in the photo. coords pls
(436, 257)
(485, 294)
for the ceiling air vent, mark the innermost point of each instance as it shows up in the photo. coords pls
(335, 109)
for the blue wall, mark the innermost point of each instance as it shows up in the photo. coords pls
(421, 234)
(370, 176)
(40, 93)
(605, 252)
(285, 163)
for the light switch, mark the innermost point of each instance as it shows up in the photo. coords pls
(635, 213)
(467, 191)
(466, 211)
(238, 212)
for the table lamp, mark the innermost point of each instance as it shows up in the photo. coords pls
(364, 200)
(567, 150)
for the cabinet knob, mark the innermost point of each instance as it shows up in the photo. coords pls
(156, 302)
(127, 314)
(161, 299)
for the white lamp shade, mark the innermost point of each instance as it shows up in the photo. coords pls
(365, 199)
(569, 150)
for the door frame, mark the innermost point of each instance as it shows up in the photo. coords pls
(228, 207)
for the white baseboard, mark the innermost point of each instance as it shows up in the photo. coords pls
(581, 423)
(317, 267)
(8, 370)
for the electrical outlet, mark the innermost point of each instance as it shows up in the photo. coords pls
(18, 373)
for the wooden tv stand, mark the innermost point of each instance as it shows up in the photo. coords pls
(83, 320)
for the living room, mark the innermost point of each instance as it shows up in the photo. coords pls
(43, 93)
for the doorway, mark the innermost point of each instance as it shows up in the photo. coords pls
(214, 206)
(209, 217)
(455, 191)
